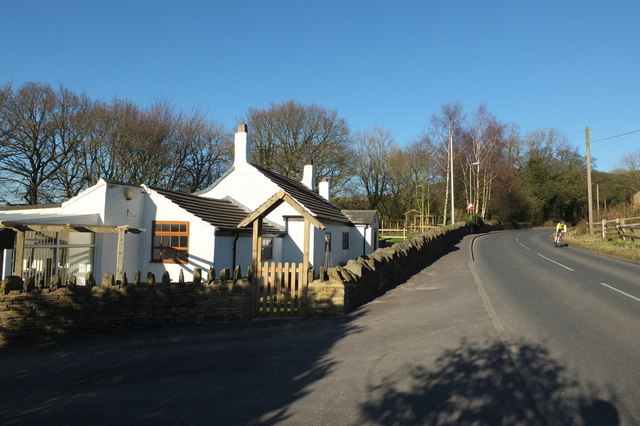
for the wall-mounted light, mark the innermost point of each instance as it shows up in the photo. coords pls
(128, 194)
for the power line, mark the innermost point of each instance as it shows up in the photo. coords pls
(616, 136)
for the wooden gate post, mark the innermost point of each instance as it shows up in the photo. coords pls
(120, 255)
(256, 263)
(18, 254)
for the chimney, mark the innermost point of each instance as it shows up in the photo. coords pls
(309, 176)
(241, 146)
(323, 189)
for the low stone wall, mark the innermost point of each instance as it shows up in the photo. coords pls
(30, 312)
(34, 315)
(363, 279)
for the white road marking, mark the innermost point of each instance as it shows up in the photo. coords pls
(525, 246)
(621, 292)
(553, 261)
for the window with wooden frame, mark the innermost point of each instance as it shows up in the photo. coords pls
(170, 242)
(267, 248)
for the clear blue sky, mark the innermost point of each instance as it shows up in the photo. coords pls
(541, 64)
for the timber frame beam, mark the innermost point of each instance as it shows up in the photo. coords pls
(272, 203)
(69, 227)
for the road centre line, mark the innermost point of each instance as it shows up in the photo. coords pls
(621, 292)
(553, 261)
(525, 246)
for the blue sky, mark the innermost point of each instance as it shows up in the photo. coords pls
(541, 64)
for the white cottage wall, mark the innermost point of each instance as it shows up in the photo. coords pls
(201, 238)
(223, 254)
(292, 248)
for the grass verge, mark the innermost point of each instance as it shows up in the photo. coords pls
(626, 250)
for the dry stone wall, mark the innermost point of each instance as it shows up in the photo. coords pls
(363, 279)
(39, 314)
(31, 312)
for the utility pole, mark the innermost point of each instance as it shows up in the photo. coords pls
(589, 190)
(451, 168)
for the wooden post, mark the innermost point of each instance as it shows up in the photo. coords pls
(305, 264)
(604, 229)
(589, 189)
(18, 254)
(256, 262)
(256, 246)
(120, 254)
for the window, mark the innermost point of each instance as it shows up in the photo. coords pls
(170, 242)
(345, 240)
(267, 248)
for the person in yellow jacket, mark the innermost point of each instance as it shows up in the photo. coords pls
(561, 228)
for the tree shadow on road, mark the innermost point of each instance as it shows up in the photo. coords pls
(231, 373)
(480, 384)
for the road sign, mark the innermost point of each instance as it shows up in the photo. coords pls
(470, 207)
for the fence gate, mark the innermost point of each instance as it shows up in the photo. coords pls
(280, 290)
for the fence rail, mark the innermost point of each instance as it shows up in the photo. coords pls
(623, 228)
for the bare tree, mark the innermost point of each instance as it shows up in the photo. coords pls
(420, 160)
(289, 135)
(373, 149)
(485, 141)
(127, 143)
(200, 152)
(448, 124)
(34, 141)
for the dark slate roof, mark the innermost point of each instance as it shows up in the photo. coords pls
(222, 214)
(30, 207)
(361, 216)
(314, 202)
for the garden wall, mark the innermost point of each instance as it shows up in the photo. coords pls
(42, 313)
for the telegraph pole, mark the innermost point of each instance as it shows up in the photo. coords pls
(451, 168)
(589, 190)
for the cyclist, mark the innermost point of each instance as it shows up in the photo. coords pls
(561, 228)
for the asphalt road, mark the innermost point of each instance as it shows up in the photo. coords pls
(582, 307)
(425, 352)
(429, 352)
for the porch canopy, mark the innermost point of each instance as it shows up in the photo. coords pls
(261, 212)
(22, 227)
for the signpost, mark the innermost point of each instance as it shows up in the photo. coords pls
(470, 208)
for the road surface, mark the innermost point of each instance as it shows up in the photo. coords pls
(582, 307)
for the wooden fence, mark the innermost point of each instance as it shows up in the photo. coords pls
(280, 290)
(402, 228)
(625, 229)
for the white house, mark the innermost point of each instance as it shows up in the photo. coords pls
(114, 226)
(249, 186)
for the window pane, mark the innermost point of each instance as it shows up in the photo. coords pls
(184, 242)
(183, 228)
(175, 227)
(183, 256)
